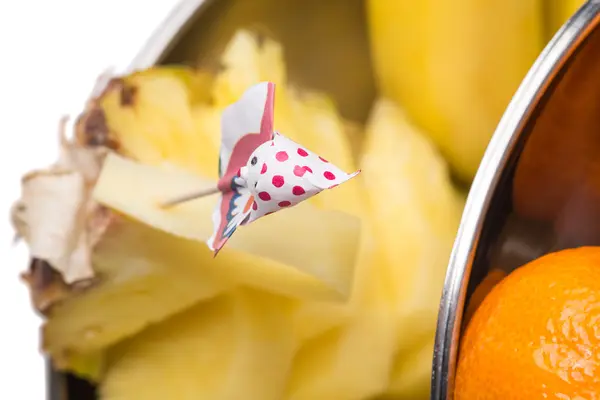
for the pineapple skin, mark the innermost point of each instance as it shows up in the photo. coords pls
(454, 65)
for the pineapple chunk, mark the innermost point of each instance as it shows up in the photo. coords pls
(352, 361)
(150, 114)
(146, 276)
(87, 366)
(411, 377)
(416, 215)
(237, 346)
(313, 318)
(280, 253)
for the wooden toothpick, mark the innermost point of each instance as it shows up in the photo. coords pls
(187, 197)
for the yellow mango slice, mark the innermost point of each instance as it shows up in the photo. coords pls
(237, 346)
(302, 252)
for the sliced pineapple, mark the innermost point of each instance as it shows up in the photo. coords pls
(237, 346)
(352, 361)
(281, 253)
(411, 378)
(416, 215)
(146, 275)
(150, 114)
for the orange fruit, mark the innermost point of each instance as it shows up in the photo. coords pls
(537, 333)
(493, 277)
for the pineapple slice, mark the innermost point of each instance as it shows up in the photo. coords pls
(416, 214)
(411, 378)
(151, 115)
(280, 253)
(146, 276)
(352, 361)
(237, 346)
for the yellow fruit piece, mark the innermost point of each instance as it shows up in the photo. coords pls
(535, 335)
(89, 366)
(238, 346)
(146, 276)
(150, 114)
(313, 318)
(411, 378)
(279, 253)
(416, 212)
(454, 65)
(352, 361)
(557, 12)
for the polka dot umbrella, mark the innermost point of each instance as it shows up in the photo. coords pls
(261, 171)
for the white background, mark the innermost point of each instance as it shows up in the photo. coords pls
(51, 51)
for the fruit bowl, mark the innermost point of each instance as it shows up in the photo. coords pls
(534, 192)
(198, 32)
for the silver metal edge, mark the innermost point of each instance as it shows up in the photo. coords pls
(478, 200)
(166, 34)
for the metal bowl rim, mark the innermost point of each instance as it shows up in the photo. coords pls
(486, 179)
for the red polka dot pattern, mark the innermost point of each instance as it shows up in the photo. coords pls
(278, 181)
(263, 169)
(308, 169)
(264, 196)
(299, 171)
(281, 156)
(322, 159)
(302, 152)
(329, 175)
(284, 203)
(298, 190)
(254, 206)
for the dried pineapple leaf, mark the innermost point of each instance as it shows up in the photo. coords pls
(46, 285)
(57, 217)
(281, 253)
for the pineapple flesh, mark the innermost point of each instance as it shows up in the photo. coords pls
(332, 299)
(236, 346)
(416, 212)
(133, 262)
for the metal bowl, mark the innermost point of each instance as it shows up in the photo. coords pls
(534, 191)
